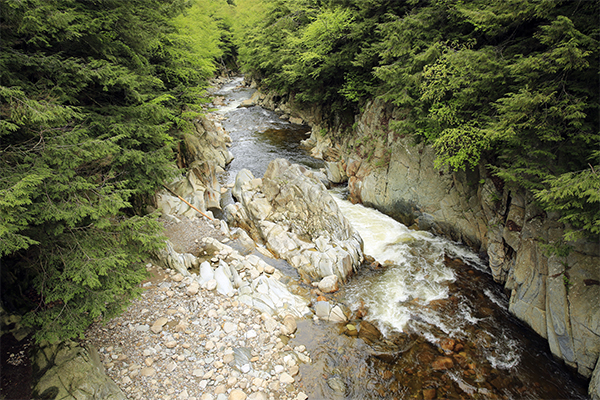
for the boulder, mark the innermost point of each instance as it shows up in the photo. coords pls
(71, 371)
(290, 210)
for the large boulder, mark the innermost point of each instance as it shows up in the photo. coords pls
(71, 371)
(291, 212)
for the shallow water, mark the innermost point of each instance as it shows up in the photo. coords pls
(445, 327)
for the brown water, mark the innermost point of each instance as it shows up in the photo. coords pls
(431, 324)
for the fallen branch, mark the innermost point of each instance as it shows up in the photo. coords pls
(186, 202)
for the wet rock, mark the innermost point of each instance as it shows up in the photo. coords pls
(369, 332)
(447, 345)
(429, 394)
(442, 363)
(351, 330)
(337, 384)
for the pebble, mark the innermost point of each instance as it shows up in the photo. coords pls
(186, 346)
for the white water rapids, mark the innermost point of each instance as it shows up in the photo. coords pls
(402, 298)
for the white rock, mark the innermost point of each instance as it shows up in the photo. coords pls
(193, 288)
(224, 285)
(147, 371)
(237, 394)
(329, 284)
(286, 378)
(206, 272)
(211, 284)
(229, 327)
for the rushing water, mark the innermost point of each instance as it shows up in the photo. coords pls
(445, 327)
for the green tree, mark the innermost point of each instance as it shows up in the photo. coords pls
(514, 83)
(93, 97)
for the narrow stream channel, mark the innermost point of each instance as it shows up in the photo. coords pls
(440, 326)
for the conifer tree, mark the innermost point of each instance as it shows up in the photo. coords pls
(93, 96)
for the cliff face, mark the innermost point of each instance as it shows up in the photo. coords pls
(558, 295)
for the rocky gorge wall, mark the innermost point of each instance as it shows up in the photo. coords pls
(557, 295)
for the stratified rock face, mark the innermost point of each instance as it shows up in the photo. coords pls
(204, 153)
(210, 142)
(70, 371)
(293, 214)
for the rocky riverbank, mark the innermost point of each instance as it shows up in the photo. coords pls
(183, 341)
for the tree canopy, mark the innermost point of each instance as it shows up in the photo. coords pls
(510, 83)
(94, 96)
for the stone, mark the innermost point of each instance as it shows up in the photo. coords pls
(369, 332)
(337, 315)
(258, 396)
(177, 277)
(158, 324)
(77, 373)
(337, 384)
(148, 371)
(237, 394)
(206, 272)
(594, 387)
(442, 363)
(291, 191)
(269, 269)
(322, 309)
(211, 284)
(193, 288)
(429, 394)
(229, 327)
(289, 325)
(329, 284)
(286, 378)
(171, 344)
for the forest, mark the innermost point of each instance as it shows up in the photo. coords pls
(96, 94)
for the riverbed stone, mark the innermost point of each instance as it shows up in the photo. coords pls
(157, 326)
(329, 284)
(289, 325)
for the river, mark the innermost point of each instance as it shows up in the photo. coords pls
(445, 327)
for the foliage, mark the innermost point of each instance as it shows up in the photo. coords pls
(512, 82)
(93, 96)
